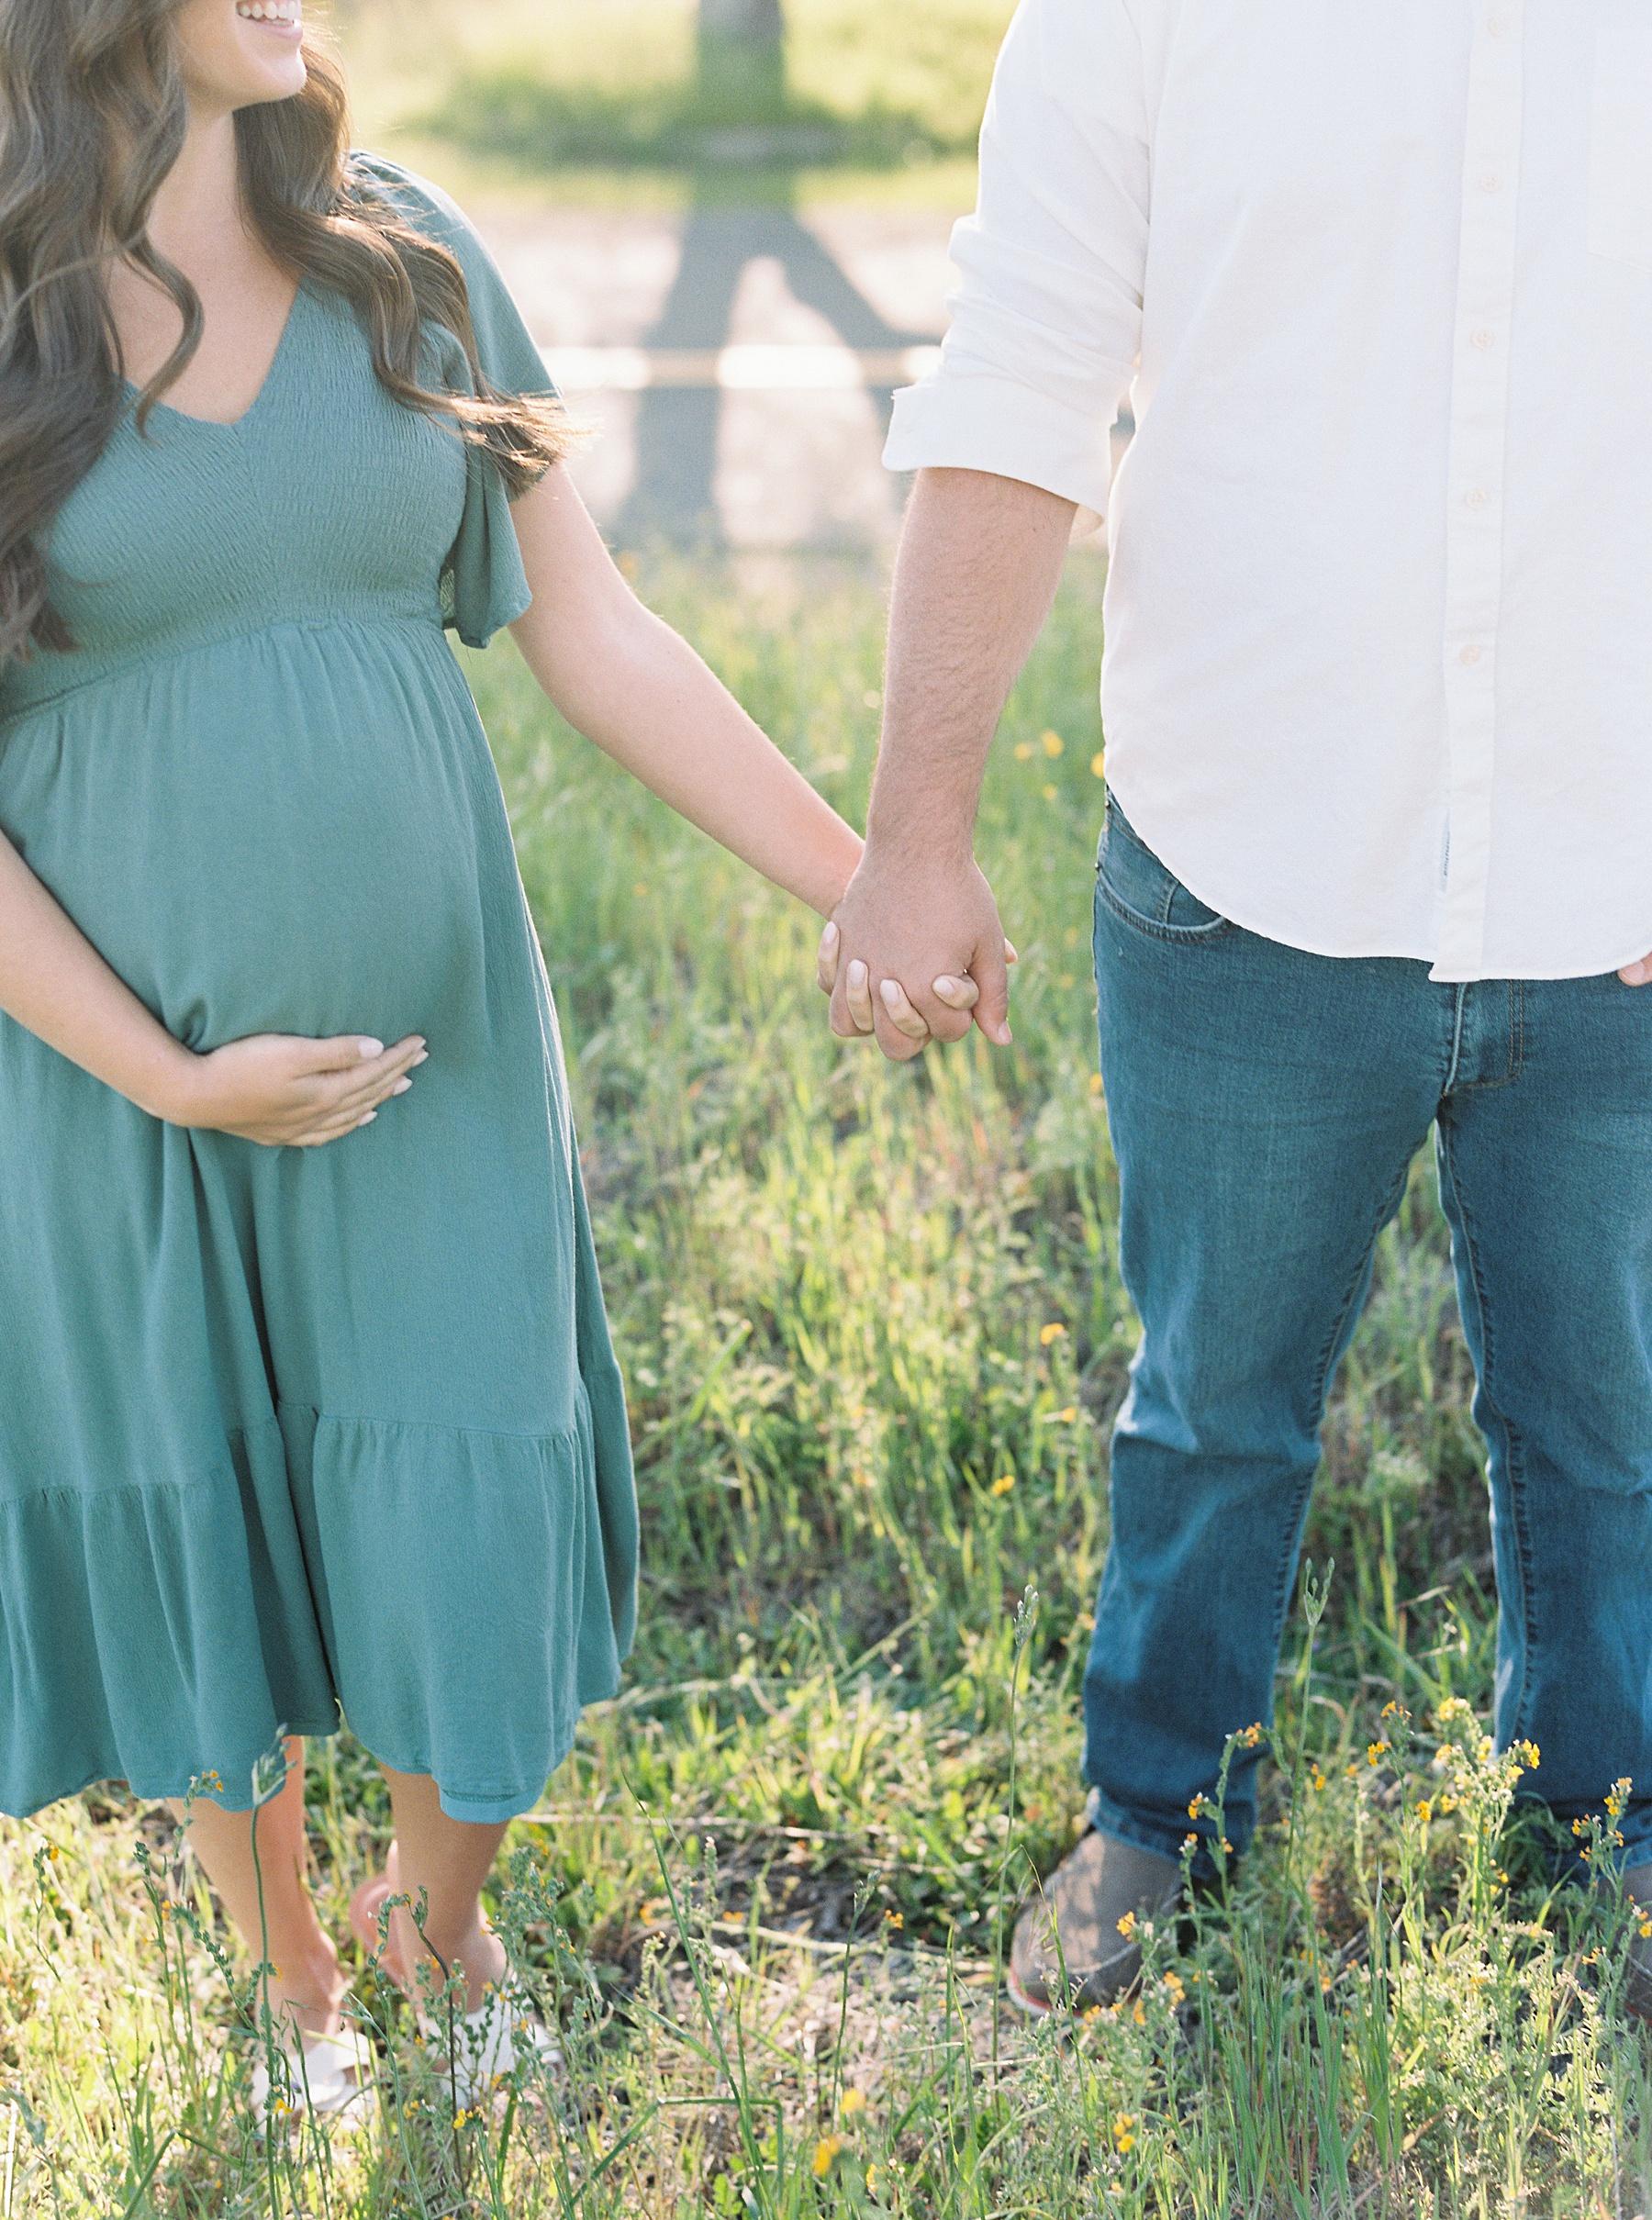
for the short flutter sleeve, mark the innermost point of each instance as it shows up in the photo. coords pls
(483, 585)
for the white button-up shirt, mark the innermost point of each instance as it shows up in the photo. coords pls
(1378, 280)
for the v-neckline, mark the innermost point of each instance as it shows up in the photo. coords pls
(238, 423)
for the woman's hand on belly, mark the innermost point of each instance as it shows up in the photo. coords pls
(277, 1089)
(287, 1093)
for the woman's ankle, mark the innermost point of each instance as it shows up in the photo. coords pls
(479, 1951)
(305, 1989)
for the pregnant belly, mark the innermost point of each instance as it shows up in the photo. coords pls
(274, 834)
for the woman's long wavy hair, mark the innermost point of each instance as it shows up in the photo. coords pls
(92, 117)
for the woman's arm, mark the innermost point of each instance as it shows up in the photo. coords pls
(271, 1087)
(629, 683)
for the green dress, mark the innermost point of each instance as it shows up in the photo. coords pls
(288, 1432)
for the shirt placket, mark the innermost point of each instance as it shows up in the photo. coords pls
(1475, 495)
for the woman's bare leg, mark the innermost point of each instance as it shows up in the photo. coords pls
(307, 1984)
(447, 1859)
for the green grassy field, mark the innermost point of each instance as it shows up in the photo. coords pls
(601, 100)
(874, 1333)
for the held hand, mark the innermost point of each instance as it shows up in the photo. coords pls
(1636, 973)
(943, 927)
(284, 1091)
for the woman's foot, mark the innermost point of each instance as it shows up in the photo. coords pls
(480, 1952)
(329, 2075)
(306, 1997)
(378, 1937)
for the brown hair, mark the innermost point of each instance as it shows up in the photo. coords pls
(92, 117)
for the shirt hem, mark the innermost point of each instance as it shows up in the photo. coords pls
(1442, 970)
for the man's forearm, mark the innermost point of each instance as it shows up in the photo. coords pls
(981, 557)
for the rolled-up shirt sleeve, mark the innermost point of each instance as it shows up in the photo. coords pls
(1046, 319)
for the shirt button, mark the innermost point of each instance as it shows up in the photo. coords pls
(1470, 653)
(1475, 497)
(1484, 338)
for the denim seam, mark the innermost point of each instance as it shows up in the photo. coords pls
(1321, 1372)
(1513, 1446)
(1178, 936)
(1516, 1046)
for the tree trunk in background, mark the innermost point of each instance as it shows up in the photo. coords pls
(741, 60)
(754, 23)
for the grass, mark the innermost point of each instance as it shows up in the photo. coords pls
(565, 86)
(874, 1333)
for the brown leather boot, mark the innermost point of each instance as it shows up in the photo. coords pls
(1102, 1882)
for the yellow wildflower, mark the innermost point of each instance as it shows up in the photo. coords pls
(826, 2149)
(1068, 1415)
(1099, 764)
(1050, 793)
(1052, 744)
(1424, 1810)
(854, 2100)
(1138, 2015)
(1024, 751)
(1095, 1083)
(894, 1919)
(1124, 2131)
(1127, 1925)
(1053, 1332)
(1004, 1485)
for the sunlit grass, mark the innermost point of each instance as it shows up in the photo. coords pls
(874, 1333)
(567, 88)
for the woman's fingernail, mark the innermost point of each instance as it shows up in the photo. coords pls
(368, 1119)
(946, 985)
(370, 1047)
(858, 972)
(891, 994)
(401, 1087)
(829, 933)
(423, 1057)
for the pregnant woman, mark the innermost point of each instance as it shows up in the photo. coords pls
(306, 1398)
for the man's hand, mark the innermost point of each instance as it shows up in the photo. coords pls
(1636, 975)
(918, 953)
(898, 925)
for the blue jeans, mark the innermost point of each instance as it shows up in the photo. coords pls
(1264, 1106)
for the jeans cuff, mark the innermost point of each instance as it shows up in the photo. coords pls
(1107, 1818)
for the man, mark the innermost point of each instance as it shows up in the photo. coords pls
(1378, 849)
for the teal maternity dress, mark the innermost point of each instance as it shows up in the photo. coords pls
(290, 1432)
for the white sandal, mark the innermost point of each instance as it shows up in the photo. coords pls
(329, 2075)
(485, 2044)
